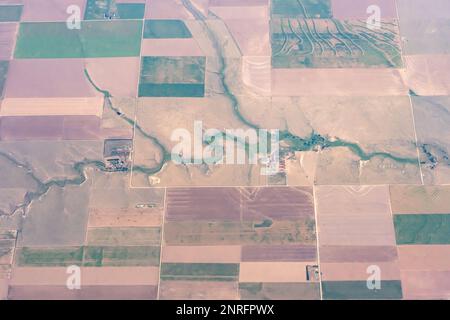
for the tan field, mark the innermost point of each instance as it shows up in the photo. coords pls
(358, 214)
(90, 276)
(358, 271)
(420, 199)
(427, 75)
(338, 82)
(201, 254)
(52, 107)
(273, 271)
(171, 47)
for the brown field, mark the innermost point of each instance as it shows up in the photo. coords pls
(273, 271)
(171, 47)
(279, 253)
(420, 199)
(3, 289)
(424, 257)
(355, 253)
(85, 293)
(203, 204)
(359, 214)
(278, 203)
(236, 233)
(357, 271)
(426, 284)
(201, 254)
(90, 276)
(338, 82)
(192, 290)
(124, 218)
(114, 204)
(51, 78)
(117, 75)
(50, 128)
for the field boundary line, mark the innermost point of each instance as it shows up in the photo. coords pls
(161, 244)
(317, 242)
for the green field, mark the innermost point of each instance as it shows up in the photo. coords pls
(97, 9)
(3, 74)
(302, 8)
(131, 10)
(172, 77)
(159, 29)
(422, 228)
(94, 39)
(342, 290)
(331, 43)
(49, 257)
(124, 236)
(10, 13)
(122, 256)
(200, 271)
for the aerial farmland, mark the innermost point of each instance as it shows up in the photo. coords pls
(224, 150)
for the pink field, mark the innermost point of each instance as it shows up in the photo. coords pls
(426, 284)
(338, 82)
(240, 12)
(171, 47)
(238, 3)
(118, 75)
(45, 10)
(424, 257)
(273, 271)
(357, 253)
(348, 215)
(348, 9)
(280, 203)
(428, 75)
(166, 9)
(51, 78)
(8, 32)
(201, 254)
(92, 276)
(357, 271)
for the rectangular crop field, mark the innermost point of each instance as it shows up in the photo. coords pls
(172, 77)
(94, 39)
(422, 228)
(200, 271)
